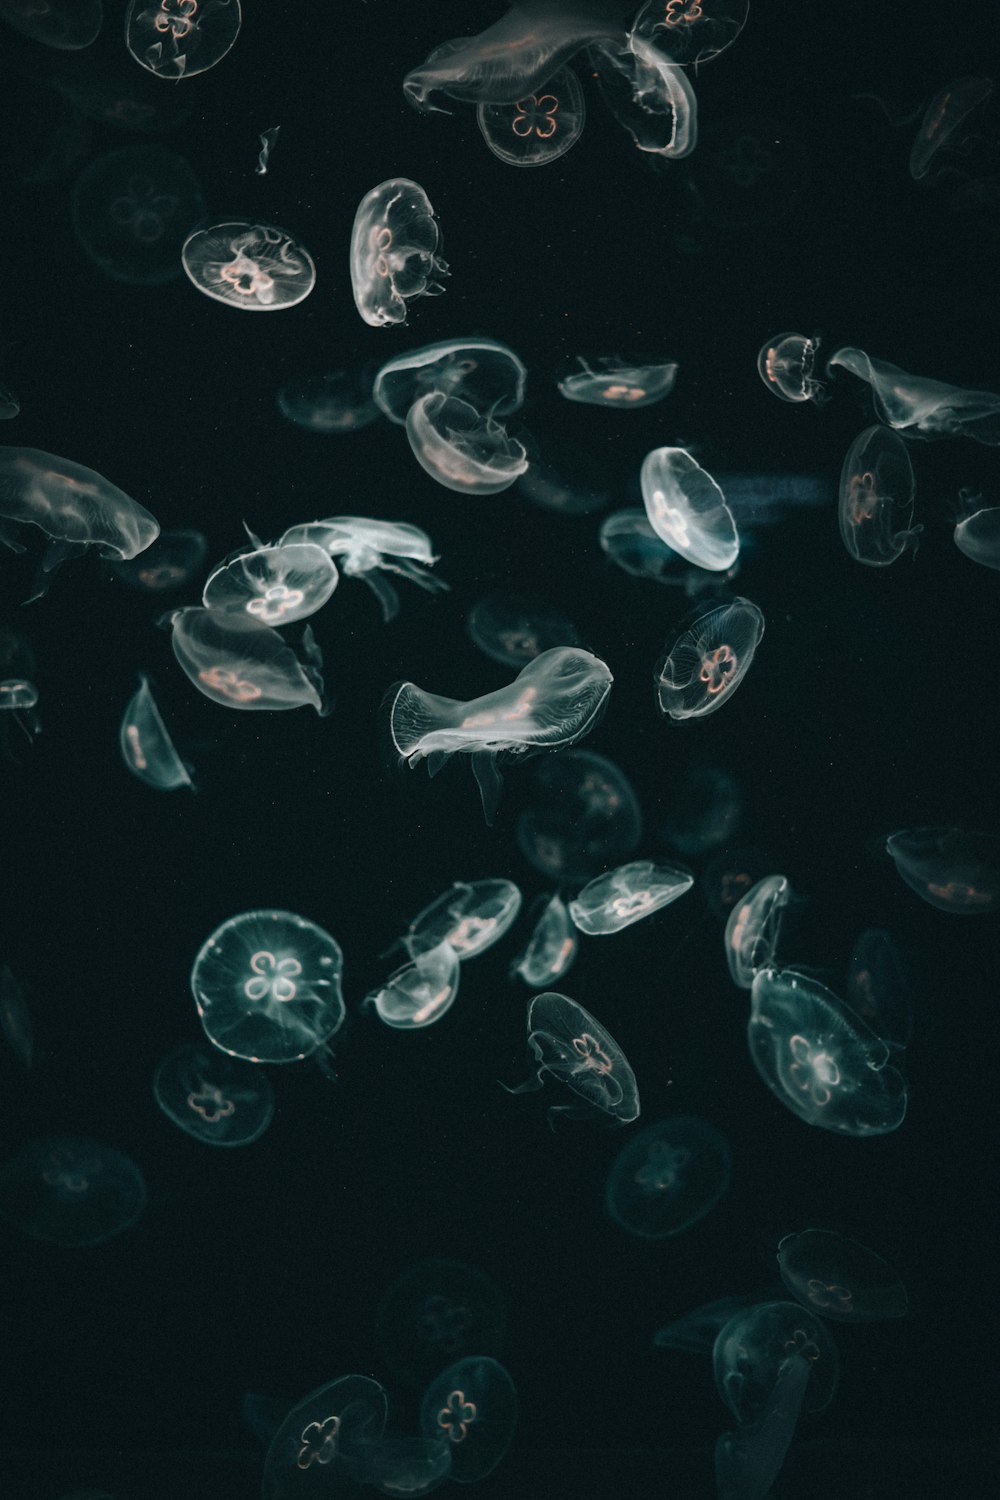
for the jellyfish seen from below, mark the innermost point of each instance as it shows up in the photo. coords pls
(471, 916)
(820, 1059)
(553, 702)
(171, 561)
(628, 894)
(419, 993)
(551, 948)
(920, 407)
(367, 548)
(582, 816)
(538, 128)
(339, 402)
(752, 1347)
(273, 585)
(146, 746)
(463, 449)
(691, 32)
(267, 986)
(394, 247)
(481, 372)
(66, 25)
(840, 1279)
(321, 1446)
(668, 1177)
(177, 39)
(473, 1405)
(956, 871)
(687, 509)
(438, 1312)
(618, 384)
(706, 812)
(15, 1018)
(876, 499)
(568, 1043)
(708, 660)
(946, 130)
(212, 1097)
(132, 210)
(513, 631)
(978, 537)
(245, 665)
(753, 929)
(71, 1191)
(786, 364)
(748, 1461)
(878, 987)
(650, 98)
(247, 264)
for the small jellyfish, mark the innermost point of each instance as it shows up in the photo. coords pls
(786, 364)
(367, 548)
(267, 986)
(876, 499)
(731, 876)
(171, 561)
(551, 948)
(691, 32)
(921, 407)
(569, 1043)
(513, 631)
(339, 402)
(706, 812)
(463, 449)
(71, 1191)
(177, 39)
(66, 25)
(321, 1446)
(132, 210)
(840, 1279)
(650, 98)
(242, 664)
(627, 894)
(472, 1404)
(242, 263)
(668, 1177)
(878, 987)
(146, 746)
(956, 871)
(538, 128)
(470, 916)
(439, 1311)
(582, 816)
(753, 1346)
(419, 993)
(487, 375)
(394, 247)
(708, 659)
(212, 1097)
(753, 929)
(945, 129)
(10, 406)
(15, 1018)
(618, 384)
(627, 537)
(978, 536)
(273, 585)
(687, 509)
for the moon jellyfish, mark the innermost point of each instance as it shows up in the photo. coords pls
(338, 402)
(255, 266)
(212, 1097)
(568, 1043)
(71, 1191)
(273, 585)
(691, 32)
(461, 448)
(650, 98)
(171, 561)
(321, 1446)
(472, 1404)
(876, 499)
(878, 987)
(10, 406)
(631, 543)
(245, 665)
(470, 917)
(487, 375)
(513, 631)
(551, 948)
(956, 871)
(146, 746)
(707, 810)
(419, 993)
(748, 1461)
(615, 383)
(786, 364)
(132, 210)
(753, 929)
(267, 986)
(368, 548)
(66, 25)
(582, 816)
(945, 128)
(18, 693)
(439, 1311)
(180, 38)
(668, 1177)
(840, 1279)
(687, 509)
(754, 1345)
(708, 660)
(920, 407)
(820, 1059)
(394, 247)
(978, 536)
(15, 1018)
(553, 702)
(538, 128)
(628, 894)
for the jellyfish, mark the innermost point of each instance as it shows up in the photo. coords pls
(10, 406)
(574, 1048)
(481, 372)
(146, 746)
(876, 499)
(394, 247)
(242, 664)
(338, 402)
(471, 916)
(650, 98)
(177, 39)
(18, 700)
(368, 548)
(731, 876)
(752, 1347)
(628, 894)
(695, 1332)
(878, 987)
(461, 448)
(668, 1177)
(15, 1018)
(549, 489)
(438, 1312)
(820, 1059)
(583, 815)
(707, 809)
(66, 25)
(786, 364)
(212, 1097)
(753, 929)
(540, 127)
(71, 1191)
(321, 1446)
(247, 264)
(618, 384)
(921, 407)
(132, 210)
(956, 871)
(945, 129)
(551, 948)
(273, 585)
(513, 631)
(840, 1279)
(631, 543)
(553, 702)
(748, 1461)
(706, 662)
(473, 1405)
(419, 993)
(171, 561)
(267, 986)
(687, 509)
(691, 32)
(978, 536)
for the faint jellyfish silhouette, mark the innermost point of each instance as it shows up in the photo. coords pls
(132, 209)
(512, 630)
(752, 1347)
(946, 130)
(245, 665)
(583, 815)
(419, 993)
(919, 406)
(471, 916)
(707, 810)
(820, 1059)
(545, 486)
(567, 1042)
(487, 375)
(321, 1446)
(267, 986)
(15, 1018)
(171, 561)
(146, 746)
(691, 32)
(339, 402)
(748, 1461)
(627, 537)
(956, 871)
(273, 585)
(668, 1177)
(539, 127)
(71, 1191)
(367, 548)
(10, 406)
(18, 693)
(212, 1097)
(708, 659)
(66, 25)
(394, 247)
(551, 948)
(473, 1404)
(763, 499)
(650, 98)
(840, 1279)
(695, 1332)
(876, 499)
(401, 1464)
(180, 38)
(687, 509)
(753, 929)
(463, 449)
(618, 384)
(749, 173)
(786, 364)
(255, 266)
(978, 536)
(438, 1312)
(626, 895)
(878, 987)
(731, 875)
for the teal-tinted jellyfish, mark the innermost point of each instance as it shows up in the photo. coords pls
(213, 1097)
(582, 815)
(551, 948)
(420, 992)
(473, 1406)
(404, 1464)
(171, 561)
(978, 536)
(749, 1460)
(177, 39)
(949, 868)
(687, 509)
(754, 927)
(470, 917)
(242, 664)
(146, 746)
(367, 548)
(321, 1447)
(513, 631)
(539, 127)
(132, 210)
(18, 692)
(706, 661)
(876, 499)
(786, 364)
(919, 406)
(731, 875)
(465, 450)
(10, 406)
(753, 1346)
(879, 989)
(71, 1191)
(649, 97)
(695, 1332)
(15, 1018)
(247, 264)
(668, 1177)
(267, 986)
(627, 537)
(339, 402)
(66, 25)
(394, 251)
(627, 894)
(946, 129)
(438, 1312)
(840, 1279)
(616, 383)
(568, 1043)
(483, 373)
(273, 585)
(706, 811)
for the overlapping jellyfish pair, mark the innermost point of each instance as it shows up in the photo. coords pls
(367, 549)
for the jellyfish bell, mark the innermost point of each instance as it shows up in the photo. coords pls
(177, 39)
(463, 449)
(212, 1097)
(394, 245)
(539, 127)
(708, 659)
(487, 375)
(323, 1444)
(512, 630)
(248, 264)
(618, 384)
(786, 364)
(169, 562)
(952, 869)
(752, 1347)
(551, 948)
(753, 929)
(470, 917)
(71, 1191)
(627, 894)
(573, 1047)
(368, 548)
(978, 536)
(273, 585)
(691, 33)
(421, 991)
(649, 97)
(839, 1279)
(146, 745)
(472, 1406)
(242, 664)
(876, 499)
(132, 209)
(582, 815)
(946, 128)
(668, 1177)
(921, 407)
(437, 1312)
(338, 402)
(687, 509)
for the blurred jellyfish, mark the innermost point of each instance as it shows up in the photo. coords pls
(762, 499)
(146, 746)
(708, 660)
(71, 1191)
(473, 1404)
(267, 986)
(695, 1332)
(956, 871)
(179, 38)
(551, 948)
(212, 1097)
(753, 929)
(419, 993)
(481, 372)
(242, 664)
(273, 585)
(321, 1446)
(707, 810)
(394, 247)
(66, 25)
(461, 448)
(786, 364)
(876, 499)
(569, 1043)
(615, 383)
(628, 894)
(878, 987)
(438, 1312)
(752, 1347)
(338, 402)
(513, 631)
(18, 693)
(978, 536)
(132, 209)
(668, 1177)
(538, 128)
(748, 1461)
(921, 407)
(749, 173)
(582, 816)
(470, 917)
(258, 267)
(687, 509)
(547, 488)
(401, 1464)
(171, 561)
(731, 876)
(15, 1018)
(630, 541)
(820, 1059)
(840, 1279)
(650, 98)
(10, 406)
(691, 32)
(946, 129)
(368, 548)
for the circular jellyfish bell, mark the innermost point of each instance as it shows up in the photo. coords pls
(840, 1279)
(171, 561)
(177, 39)
(691, 32)
(242, 664)
(753, 929)
(273, 585)
(243, 263)
(463, 449)
(473, 1406)
(752, 1347)
(66, 25)
(786, 364)
(668, 1177)
(323, 1445)
(487, 375)
(538, 129)
(615, 383)
(71, 1191)
(687, 509)
(708, 660)
(949, 868)
(820, 1059)
(627, 894)
(582, 815)
(439, 1311)
(419, 993)
(394, 246)
(574, 1048)
(212, 1097)
(876, 498)
(978, 536)
(470, 917)
(513, 631)
(132, 209)
(267, 986)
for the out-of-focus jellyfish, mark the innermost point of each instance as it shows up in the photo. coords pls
(180, 38)
(18, 693)
(419, 993)
(513, 631)
(956, 871)
(394, 251)
(921, 407)
(553, 702)
(146, 746)
(547, 488)
(267, 986)
(321, 1447)
(438, 1312)
(840, 1279)
(583, 815)
(978, 536)
(338, 402)
(538, 128)
(242, 664)
(214, 1098)
(695, 1332)
(820, 1059)
(615, 383)
(367, 548)
(946, 128)
(551, 948)
(242, 263)
(74, 506)
(691, 32)
(627, 894)
(487, 375)
(473, 1404)
(15, 1018)
(707, 661)
(687, 509)
(731, 875)
(401, 1464)
(706, 812)
(273, 585)
(786, 364)
(574, 1048)
(66, 25)
(463, 449)
(470, 916)
(876, 499)
(10, 406)
(749, 1460)
(630, 541)
(753, 929)
(878, 987)
(650, 98)
(171, 561)
(132, 209)
(71, 1191)
(752, 1347)
(668, 1177)
(749, 173)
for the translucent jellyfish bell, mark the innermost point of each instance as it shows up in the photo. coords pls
(876, 499)
(473, 1405)
(132, 209)
(574, 1048)
(753, 929)
(956, 871)
(668, 1177)
(339, 402)
(754, 1345)
(945, 126)
(367, 548)
(146, 746)
(551, 948)
(978, 537)
(394, 247)
(708, 660)
(626, 895)
(421, 992)
(487, 375)
(691, 32)
(538, 128)
(321, 1447)
(649, 97)
(615, 383)
(631, 543)
(273, 585)
(177, 39)
(513, 631)
(172, 560)
(257, 267)
(749, 1460)
(470, 917)
(66, 25)
(920, 407)
(71, 1191)
(436, 1313)
(840, 1279)
(461, 448)
(213, 1098)
(687, 509)
(786, 364)
(582, 816)
(245, 665)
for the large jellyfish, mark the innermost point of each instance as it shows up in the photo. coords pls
(323, 1444)
(876, 499)
(463, 449)
(487, 375)
(367, 548)
(708, 660)
(146, 746)
(242, 664)
(648, 96)
(538, 128)
(921, 407)
(273, 585)
(180, 38)
(569, 1043)
(394, 251)
(617, 383)
(687, 509)
(627, 894)
(473, 1404)
(247, 264)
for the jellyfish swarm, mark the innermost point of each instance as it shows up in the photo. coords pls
(574, 1048)
(628, 894)
(615, 383)
(668, 1177)
(840, 1279)
(212, 1097)
(538, 128)
(920, 407)
(553, 702)
(551, 948)
(71, 1191)
(419, 993)
(470, 917)
(956, 871)
(513, 631)
(945, 129)
(687, 509)
(705, 664)
(146, 746)
(245, 665)
(786, 364)
(753, 929)
(251, 265)
(177, 39)
(876, 499)
(650, 98)
(394, 246)
(978, 537)
(323, 1444)
(273, 585)
(472, 1404)
(367, 548)
(463, 449)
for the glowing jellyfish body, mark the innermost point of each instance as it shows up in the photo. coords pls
(946, 123)
(920, 407)
(687, 509)
(786, 364)
(419, 993)
(840, 1279)
(956, 871)
(753, 929)
(470, 917)
(132, 210)
(648, 96)
(463, 449)
(177, 39)
(171, 561)
(473, 1406)
(400, 1464)
(438, 1312)
(668, 1177)
(539, 127)
(551, 948)
(754, 1345)
(245, 665)
(876, 499)
(513, 631)
(568, 1043)
(626, 895)
(273, 585)
(66, 25)
(481, 372)
(71, 1191)
(146, 746)
(257, 267)
(367, 548)
(978, 537)
(267, 986)
(322, 1445)
(394, 247)
(614, 383)
(820, 1059)
(703, 667)
(582, 815)
(691, 32)
(212, 1097)
(338, 402)
(879, 989)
